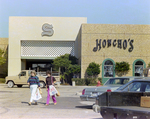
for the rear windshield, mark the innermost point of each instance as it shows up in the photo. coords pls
(117, 81)
(138, 86)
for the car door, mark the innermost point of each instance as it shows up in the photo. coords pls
(23, 77)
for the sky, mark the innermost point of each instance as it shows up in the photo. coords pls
(96, 11)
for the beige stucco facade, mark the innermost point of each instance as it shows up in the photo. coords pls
(139, 34)
(30, 28)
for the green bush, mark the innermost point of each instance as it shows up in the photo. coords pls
(148, 64)
(93, 69)
(122, 66)
(79, 81)
(2, 80)
(100, 79)
(93, 84)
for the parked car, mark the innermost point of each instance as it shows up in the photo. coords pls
(110, 85)
(124, 103)
(21, 79)
(140, 85)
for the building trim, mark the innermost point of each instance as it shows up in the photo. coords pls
(133, 66)
(37, 57)
(104, 79)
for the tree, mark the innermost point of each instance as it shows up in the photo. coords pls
(64, 62)
(148, 65)
(2, 57)
(75, 69)
(122, 68)
(93, 69)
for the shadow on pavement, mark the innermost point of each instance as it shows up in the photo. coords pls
(24, 102)
(84, 107)
(97, 118)
(38, 103)
(27, 103)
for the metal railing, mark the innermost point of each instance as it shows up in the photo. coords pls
(44, 74)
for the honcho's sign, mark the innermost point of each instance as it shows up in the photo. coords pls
(119, 43)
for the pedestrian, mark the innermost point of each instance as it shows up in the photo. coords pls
(34, 83)
(50, 80)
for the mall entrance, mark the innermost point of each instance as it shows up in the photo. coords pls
(41, 66)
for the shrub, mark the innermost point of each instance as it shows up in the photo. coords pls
(2, 80)
(100, 79)
(93, 69)
(79, 81)
(148, 64)
(122, 68)
(92, 84)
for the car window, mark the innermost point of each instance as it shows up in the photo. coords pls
(29, 73)
(138, 86)
(147, 89)
(23, 73)
(122, 87)
(119, 81)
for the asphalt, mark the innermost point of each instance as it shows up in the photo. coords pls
(14, 104)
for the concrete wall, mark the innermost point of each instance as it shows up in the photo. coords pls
(78, 46)
(30, 28)
(90, 32)
(23, 64)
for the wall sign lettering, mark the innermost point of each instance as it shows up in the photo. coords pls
(47, 30)
(122, 44)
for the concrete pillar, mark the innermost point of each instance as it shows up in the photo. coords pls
(73, 83)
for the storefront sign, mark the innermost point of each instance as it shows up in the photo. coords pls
(47, 30)
(122, 44)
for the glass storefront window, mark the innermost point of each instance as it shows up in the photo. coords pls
(139, 68)
(42, 66)
(108, 69)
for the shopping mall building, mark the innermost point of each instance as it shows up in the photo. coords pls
(35, 41)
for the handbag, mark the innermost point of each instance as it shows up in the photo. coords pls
(58, 93)
(40, 90)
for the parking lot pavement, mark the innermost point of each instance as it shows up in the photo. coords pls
(13, 104)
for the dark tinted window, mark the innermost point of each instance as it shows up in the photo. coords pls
(108, 69)
(23, 73)
(139, 63)
(108, 62)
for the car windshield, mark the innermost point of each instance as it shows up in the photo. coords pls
(138, 86)
(117, 81)
(23, 73)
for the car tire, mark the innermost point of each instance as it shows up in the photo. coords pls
(19, 86)
(10, 84)
(42, 84)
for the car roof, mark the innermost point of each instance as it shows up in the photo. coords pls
(145, 79)
(128, 77)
